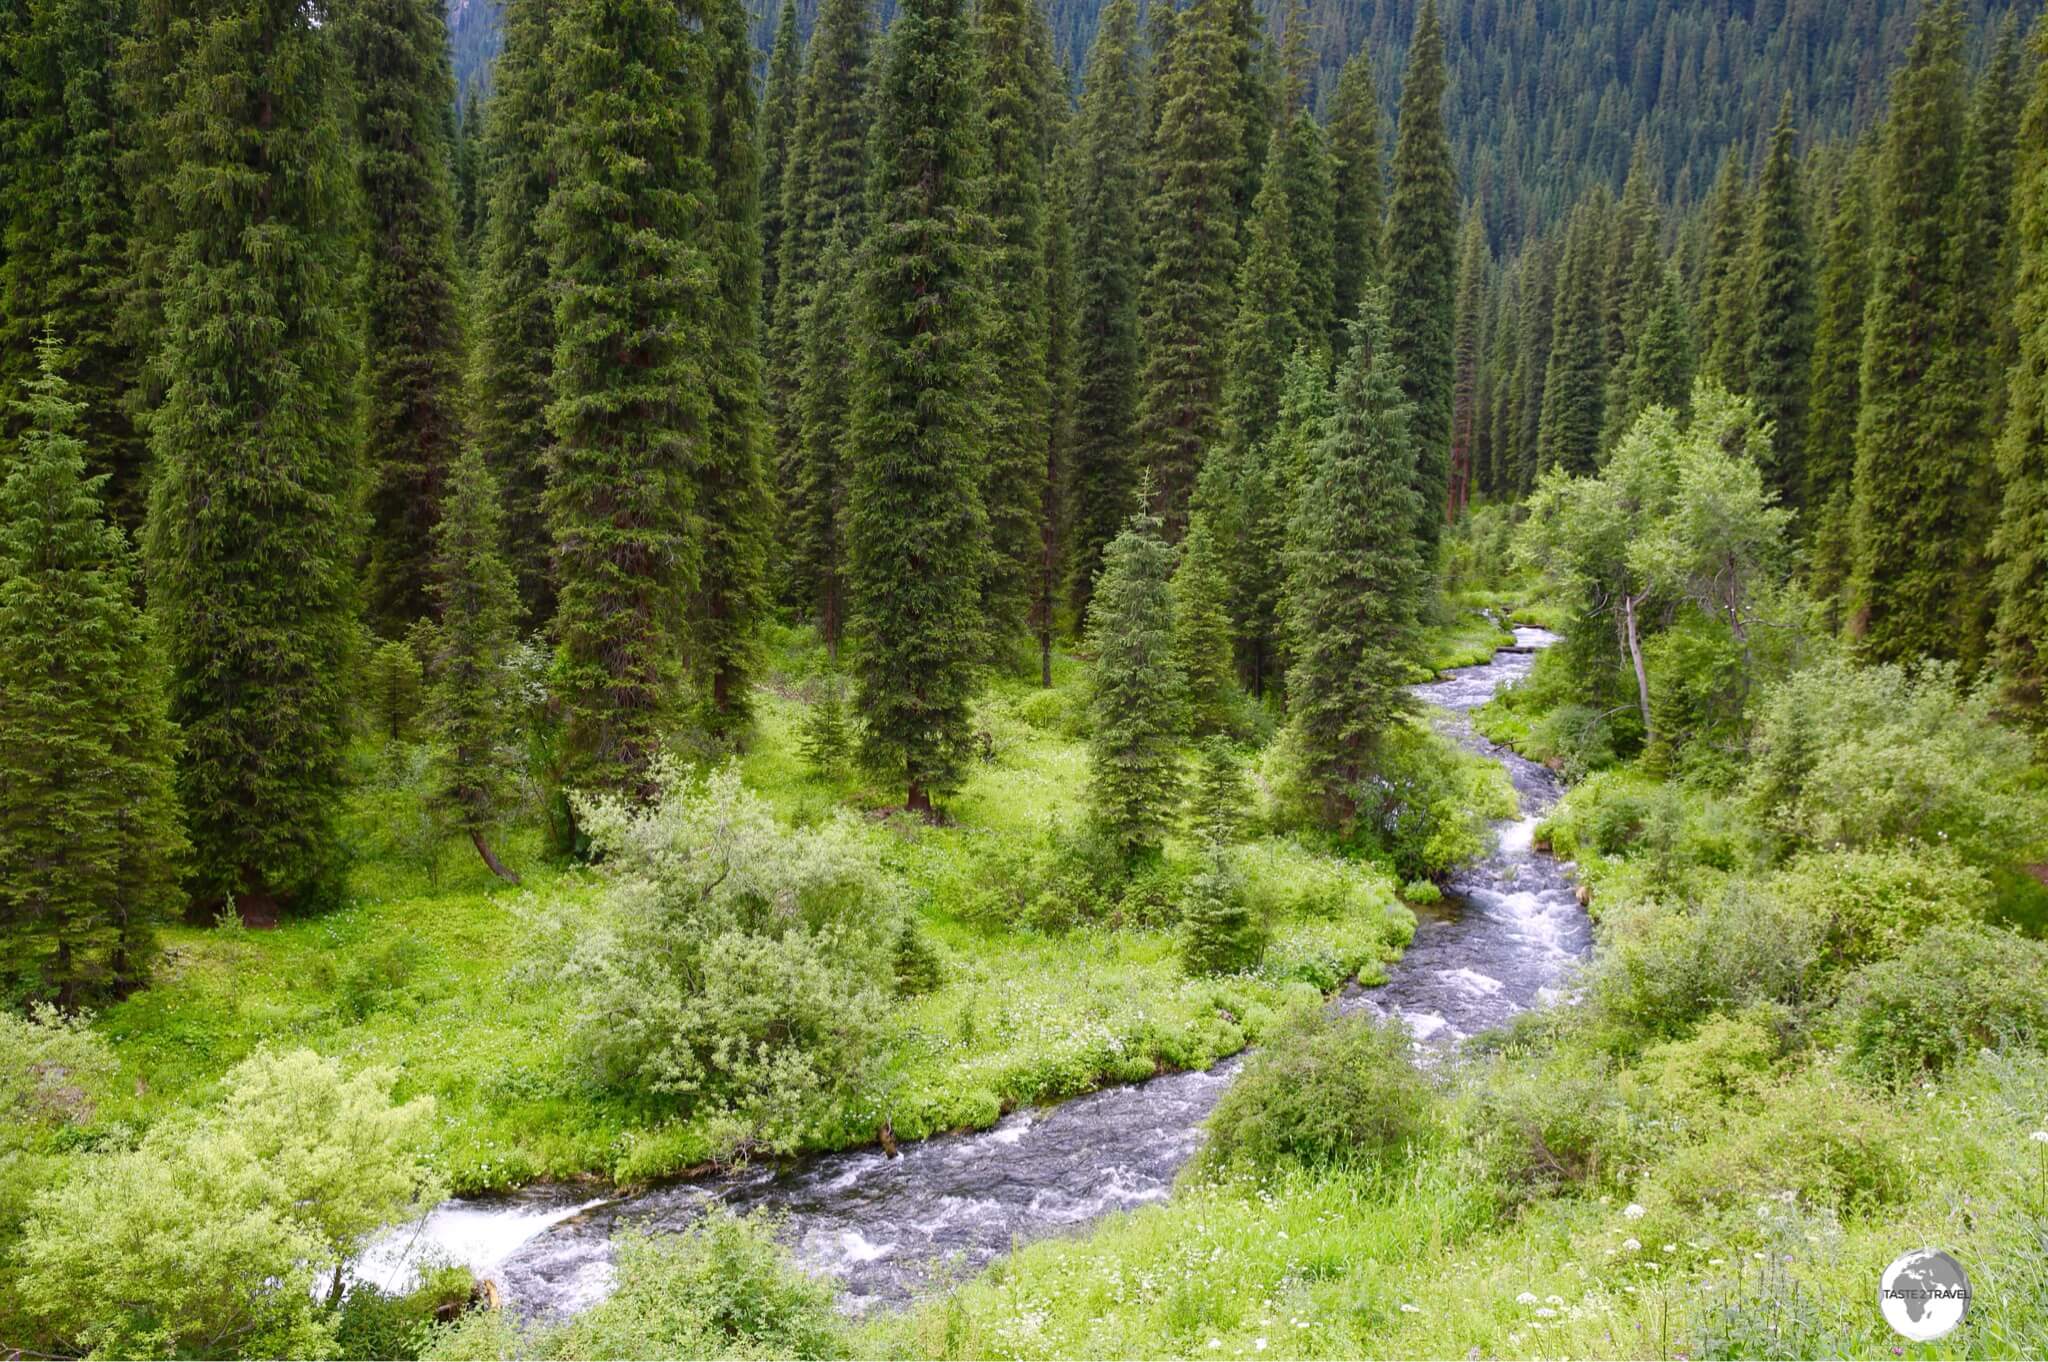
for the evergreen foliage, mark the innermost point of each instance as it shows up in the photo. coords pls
(252, 521)
(1467, 338)
(1219, 933)
(1355, 574)
(1911, 495)
(1191, 233)
(1137, 697)
(2021, 543)
(1268, 321)
(814, 508)
(917, 535)
(823, 185)
(633, 274)
(1779, 304)
(1307, 172)
(515, 316)
(1835, 396)
(1062, 383)
(1016, 78)
(1357, 190)
(1421, 255)
(826, 742)
(1107, 182)
(1723, 325)
(65, 229)
(412, 371)
(1217, 804)
(472, 707)
(1203, 649)
(733, 497)
(89, 830)
(1575, 380)
(776, 131)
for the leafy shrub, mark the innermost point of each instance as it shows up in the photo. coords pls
(1220, 933)
(1323, 1090)
(1699, 687)
(1960, 988)
(375, 1324)
(375, 978)
(1871, 904)
(1543, 1122)
(721, 1288)
(53, 1069)
(1057, 712)
(1718, 1065)
(211, 1236)
(1849, 756)
(1811, 1136)
(743, 965)
(1426, 809)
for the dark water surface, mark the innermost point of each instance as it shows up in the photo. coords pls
(1503, 941)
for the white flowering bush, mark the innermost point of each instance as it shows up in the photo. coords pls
(742, 967)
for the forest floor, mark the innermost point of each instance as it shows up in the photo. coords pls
(437, 970)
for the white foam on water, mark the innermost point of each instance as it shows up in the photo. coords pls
(478, 1236)
(1423, 1025)
(1519, 837)
(855, 1247)
(1471, 980)
(1012, 1129)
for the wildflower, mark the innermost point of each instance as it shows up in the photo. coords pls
(1671, 1248)
(1259, 1345)
(1408, 1309)
(1526, 1298)
(1634, 1211)
(2039, 1137)
(1631, 1245)
(1215, 1343)
(1554, 1300)
(1545, 1312)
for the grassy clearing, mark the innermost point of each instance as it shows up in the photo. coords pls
(432, 970)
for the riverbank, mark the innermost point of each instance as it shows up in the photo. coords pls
(440, 972)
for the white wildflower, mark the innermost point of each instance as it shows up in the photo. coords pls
(1554, 1300)
(1526, 1298)
(1259, 1344)
(1633, 1211)
(1408, 1309)
(2039, 1137)
(1631, 1245)
(1545, 1312)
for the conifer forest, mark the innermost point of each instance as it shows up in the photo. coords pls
(1023, 679)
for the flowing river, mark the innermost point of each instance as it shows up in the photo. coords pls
(1502, 941)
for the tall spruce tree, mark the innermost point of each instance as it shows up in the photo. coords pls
(1190, 221)
(1836, 391)
(1911, 492)
(1723, 325)
(89, 834)
(65, 228)
(1473, 264)
(777, 128)
(1136, 694)
(413, 353)
(2021, 541)
(1779, 292)
(1661, 362)
(1062, 302)
(824, 187)
(733, 496)
(1356, 574)
(472, 705)
(634, 277)
(1268, 323)
(252, 525)
(916, 532)
(1306, 172)
(1203, 649)
(1575, 381)
(515, 316)
(814, 502)
(1109, 142)
(1421, 255)
(1017, 80)
(465, 169)
(1982, 343)
(1357, 190)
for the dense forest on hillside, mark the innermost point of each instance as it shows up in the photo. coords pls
(974, 678)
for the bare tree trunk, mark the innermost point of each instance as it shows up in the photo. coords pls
(1629, 605)
(497, 866)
